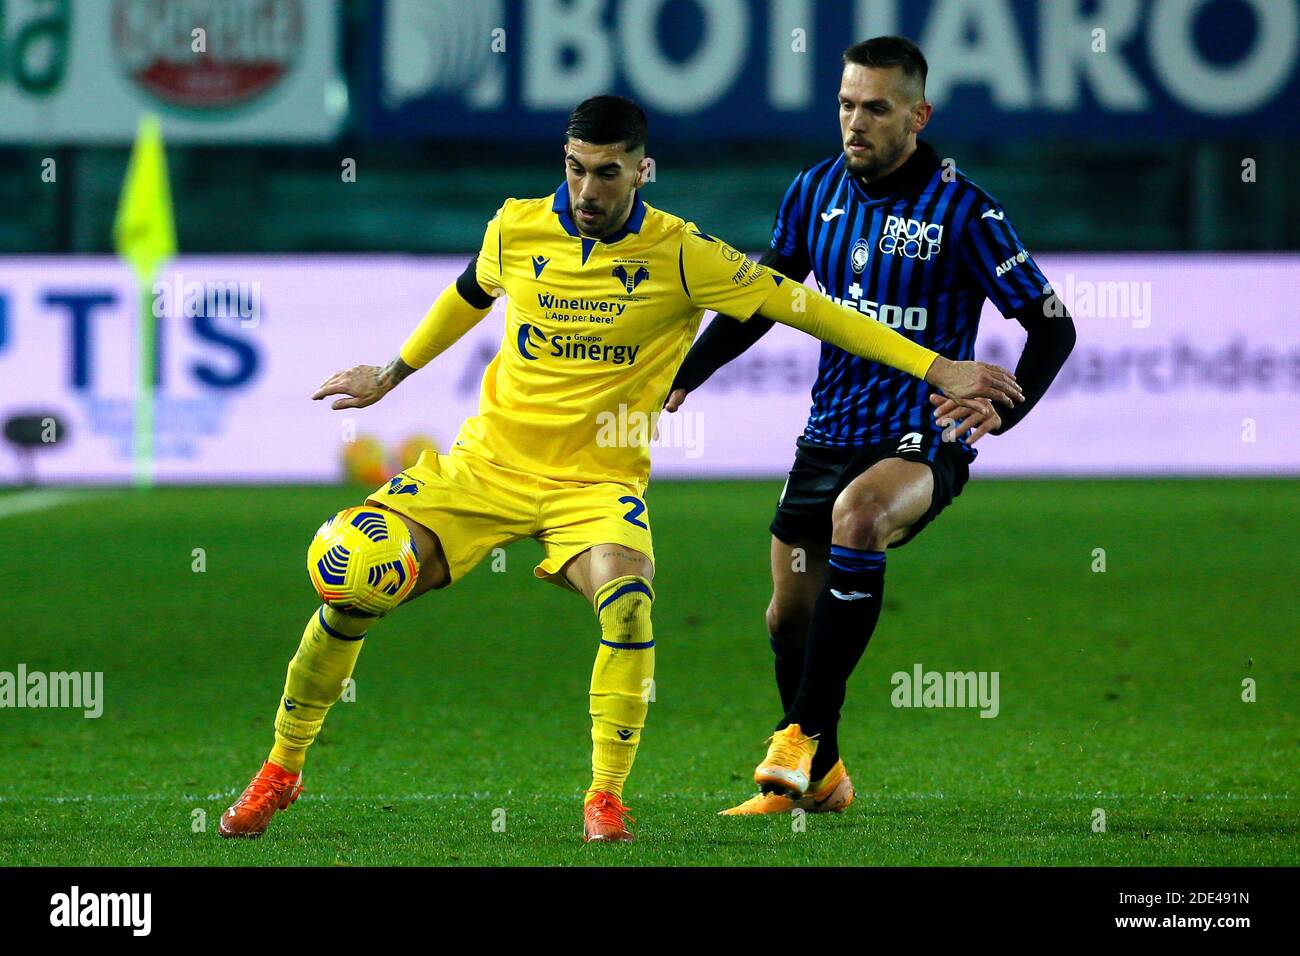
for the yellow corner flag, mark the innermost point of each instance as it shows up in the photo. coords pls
(143, 232)
(145, 236)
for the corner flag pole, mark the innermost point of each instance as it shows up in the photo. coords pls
(144, 234)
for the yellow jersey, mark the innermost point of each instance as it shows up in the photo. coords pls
(595, 331)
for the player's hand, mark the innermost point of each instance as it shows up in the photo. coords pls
(363, 384)
(675, 399)
(962, 381)
(977, 416)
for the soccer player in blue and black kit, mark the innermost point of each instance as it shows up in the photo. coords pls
(890, 230)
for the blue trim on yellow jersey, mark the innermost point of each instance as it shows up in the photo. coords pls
(560, 205)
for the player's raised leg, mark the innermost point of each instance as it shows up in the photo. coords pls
(364, 561)
(616, 580)
(877, 507)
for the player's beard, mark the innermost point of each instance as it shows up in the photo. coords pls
(879, 158)
(602, 226)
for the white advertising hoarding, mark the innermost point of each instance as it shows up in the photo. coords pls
(1176, 371)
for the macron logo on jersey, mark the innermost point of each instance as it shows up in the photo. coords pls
(539, 263)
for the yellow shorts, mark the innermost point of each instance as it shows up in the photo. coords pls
(473, 506)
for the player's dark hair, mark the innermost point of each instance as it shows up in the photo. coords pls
(606, 120)
(883, 52)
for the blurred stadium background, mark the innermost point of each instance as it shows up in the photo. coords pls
(393, 128)
(332, 164)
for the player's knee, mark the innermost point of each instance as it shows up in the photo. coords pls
(623, 607)
(363, 561)
(866, 525)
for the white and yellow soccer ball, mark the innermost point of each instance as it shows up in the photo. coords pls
(362, 561)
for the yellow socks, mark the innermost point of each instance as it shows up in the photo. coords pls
(325, 659)
(622, 681)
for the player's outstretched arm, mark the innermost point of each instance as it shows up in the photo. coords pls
(1050, 340)
(726, 338)
(362, 384)
(450, 317)
(810, 311)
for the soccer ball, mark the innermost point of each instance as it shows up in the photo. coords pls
(362, 561)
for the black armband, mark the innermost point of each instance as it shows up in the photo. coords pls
(1051, 338)
(726, 338)
(469, 289)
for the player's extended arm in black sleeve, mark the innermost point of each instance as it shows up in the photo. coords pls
(726, 338)
(1051, 338)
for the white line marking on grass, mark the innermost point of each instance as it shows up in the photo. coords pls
(38, 500)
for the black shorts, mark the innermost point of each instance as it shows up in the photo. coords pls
(821, 472)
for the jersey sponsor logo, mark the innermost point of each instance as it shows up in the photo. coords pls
(828, 216)
(539, 263)
(747, 270)
(859, 256)
(1011, 263)
(914, 319)
(993, 214)
(630, 280)
(525, 338)
(558, 308)
(911, 238)
(572, 346)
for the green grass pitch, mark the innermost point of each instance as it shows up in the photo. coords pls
(1119, 691)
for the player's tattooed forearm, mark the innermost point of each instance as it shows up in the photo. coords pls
(393, 373)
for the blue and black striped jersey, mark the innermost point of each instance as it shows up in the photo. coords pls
(920, 250)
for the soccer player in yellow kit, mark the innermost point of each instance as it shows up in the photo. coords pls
(605, 295)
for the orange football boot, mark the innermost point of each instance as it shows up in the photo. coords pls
(789, 758)
(831, 794)
(602, 817)
(274, 788)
